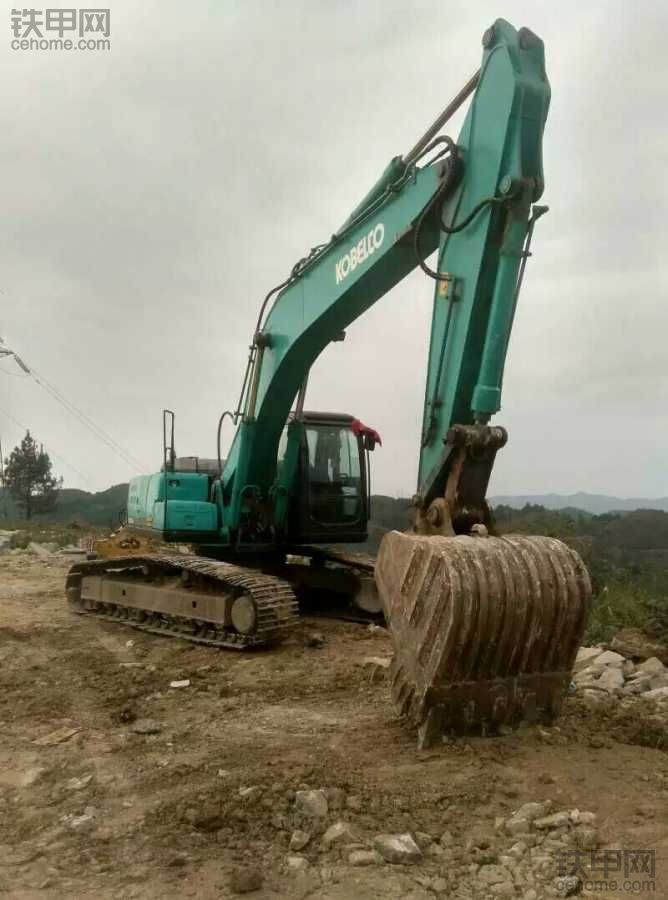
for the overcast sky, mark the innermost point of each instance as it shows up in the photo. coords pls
(153, 193)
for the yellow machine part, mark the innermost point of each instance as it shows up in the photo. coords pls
(485, 629)
(123, 543)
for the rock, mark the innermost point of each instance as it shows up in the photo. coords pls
(83, 821)
(297, 863)
(518, 850)
(183, 683)
(299, 839)
(590, 674)
(245, 881)
(659, 681)
(365, 858)
(611, 679)
(381, 662)
(609, 658)
(585, 657)
(586, 838)
(567, 885)
(583, 817)
(42, 550)
(376, 666)
(657, 694)
(446, 839)
(638, 685)
(533, 811)
(6, 540)
(314, 639)
(56, 737)
(556, 820)
(397, 848)
(635, 644)
(494, 875)
(337, 832)
(250, 793)
(502, 889)
(652, 666)
(423, 840)
(146, 726)
(77, 784)
(517, 825)
(312, 803)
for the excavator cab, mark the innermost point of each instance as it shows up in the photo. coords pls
(331, 503)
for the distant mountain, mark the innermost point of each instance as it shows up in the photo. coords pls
(592, 503)
(102, 508)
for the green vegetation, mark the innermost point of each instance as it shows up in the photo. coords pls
(29, 479)
(103, 508)
(57, 534)
(627, 556)
(626, 553)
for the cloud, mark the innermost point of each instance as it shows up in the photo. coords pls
(156, 191)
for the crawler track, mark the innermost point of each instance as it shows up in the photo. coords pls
(272, 598)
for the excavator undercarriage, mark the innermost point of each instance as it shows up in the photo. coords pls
(197, 599)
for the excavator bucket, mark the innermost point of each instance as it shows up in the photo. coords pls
(485, 629)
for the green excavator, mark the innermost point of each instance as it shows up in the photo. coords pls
(485, 628)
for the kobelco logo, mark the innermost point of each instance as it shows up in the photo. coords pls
(361, 251)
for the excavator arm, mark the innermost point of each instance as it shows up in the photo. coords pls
(474, 205)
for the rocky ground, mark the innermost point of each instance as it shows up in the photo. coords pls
(135, 766)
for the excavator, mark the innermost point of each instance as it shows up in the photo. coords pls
(484, 627)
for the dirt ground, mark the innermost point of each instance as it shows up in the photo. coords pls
(170, 814)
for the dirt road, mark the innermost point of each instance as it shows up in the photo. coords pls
(115, 785)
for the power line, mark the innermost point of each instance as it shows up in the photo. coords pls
(85, 420)
(53, 452)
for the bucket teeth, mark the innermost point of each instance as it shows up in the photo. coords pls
(485, 629)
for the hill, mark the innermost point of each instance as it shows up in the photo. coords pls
(592, 503)
(102, 508)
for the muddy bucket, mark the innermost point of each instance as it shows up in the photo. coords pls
(485, 629)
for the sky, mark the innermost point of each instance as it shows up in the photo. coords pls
(153, 193)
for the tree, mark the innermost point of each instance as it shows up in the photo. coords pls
(29, 479)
